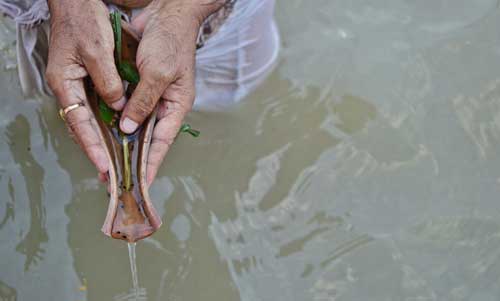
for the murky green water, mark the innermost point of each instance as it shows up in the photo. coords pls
(366, 168)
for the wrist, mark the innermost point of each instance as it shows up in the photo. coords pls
(55, 6)
(195, 11)
(204, 8)
(61, 8)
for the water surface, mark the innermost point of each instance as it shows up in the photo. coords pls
(365, 168)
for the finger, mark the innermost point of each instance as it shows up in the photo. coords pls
(144, 98)
(71, 134)
(139, 22)
(103, 177)
(130, 3)
(100, 64)
(164, 135)
(67, 85)
(170, 115)
(79, 120)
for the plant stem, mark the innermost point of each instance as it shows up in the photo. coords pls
(126, 164)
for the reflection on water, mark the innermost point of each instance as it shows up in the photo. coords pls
(7, 293)
(7, 45)
(365, 168)
(9, 206)
(18, 133)
(479, 118)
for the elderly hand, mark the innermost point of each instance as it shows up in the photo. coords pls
(165, 60)
(81, 44)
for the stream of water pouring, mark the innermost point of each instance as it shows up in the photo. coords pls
(133, 269)
(136, 293)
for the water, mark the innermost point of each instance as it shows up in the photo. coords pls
(366, 168)
(136, 293)
(133, 269)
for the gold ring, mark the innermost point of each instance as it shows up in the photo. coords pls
(64, 111)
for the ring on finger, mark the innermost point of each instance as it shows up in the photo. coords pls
(64, 111)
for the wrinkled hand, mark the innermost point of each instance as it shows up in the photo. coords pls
(165, 60)
(81, 44)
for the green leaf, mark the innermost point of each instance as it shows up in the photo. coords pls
(186, 128)
(128, 72)
(117, 32)
(106, 113)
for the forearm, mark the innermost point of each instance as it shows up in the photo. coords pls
(68, 13)
(57, 7)
(197, 10)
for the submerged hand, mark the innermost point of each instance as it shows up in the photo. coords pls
(165, 60)
(81, 44)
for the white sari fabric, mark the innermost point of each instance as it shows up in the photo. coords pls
(229, 65)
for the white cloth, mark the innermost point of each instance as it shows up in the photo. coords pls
(238, 57)
(230, 64)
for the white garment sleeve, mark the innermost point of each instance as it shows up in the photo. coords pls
(32, 41)
(238, 57)
(26, 13)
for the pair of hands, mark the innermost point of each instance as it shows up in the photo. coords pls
(82, 44)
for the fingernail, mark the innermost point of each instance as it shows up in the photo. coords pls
(128, 125)
(119, 104)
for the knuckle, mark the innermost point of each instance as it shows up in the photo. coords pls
(186, 99)
(74, 124)
(159, 73)
(162, 144)
(185, 107)
(95, 52)
(51, 76)
(189, 95)
(92, 146)
(112, 89)
(143, 108)
(76, 118)
(91, 55)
